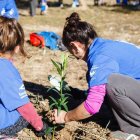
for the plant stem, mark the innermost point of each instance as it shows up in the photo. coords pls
(61, 84)
(53, 132)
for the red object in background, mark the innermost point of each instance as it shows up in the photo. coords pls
(36, 40)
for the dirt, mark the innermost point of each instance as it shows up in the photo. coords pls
(113, 22)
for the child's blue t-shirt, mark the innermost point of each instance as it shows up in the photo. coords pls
(12, 93)
(107, 56)
(8, 9)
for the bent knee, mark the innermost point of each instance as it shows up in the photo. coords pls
(115, 84)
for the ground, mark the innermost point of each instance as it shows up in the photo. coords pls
(112, 22)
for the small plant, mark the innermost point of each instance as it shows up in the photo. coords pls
(59, 86)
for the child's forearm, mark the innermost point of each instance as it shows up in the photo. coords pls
(29, 113)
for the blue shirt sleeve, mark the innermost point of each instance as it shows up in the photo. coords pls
(12, 94)
(100, 69)
(11, 10)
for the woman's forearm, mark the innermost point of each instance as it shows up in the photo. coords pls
(76, 114)
(90, 106)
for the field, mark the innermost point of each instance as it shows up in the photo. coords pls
(112, 22)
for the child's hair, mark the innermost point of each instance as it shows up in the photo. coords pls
(77, 30)
(11, 35)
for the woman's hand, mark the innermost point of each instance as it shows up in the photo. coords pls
(76, 114)
(58, 117)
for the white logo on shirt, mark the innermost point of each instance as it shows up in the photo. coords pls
(11, 12)
(93, 70)
(92, 73)
(2, 11)
(22, 87)
(22, 92)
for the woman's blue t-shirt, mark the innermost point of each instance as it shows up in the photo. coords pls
(12, 93)
(107, 56)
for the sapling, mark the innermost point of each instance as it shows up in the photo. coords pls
(59, 86)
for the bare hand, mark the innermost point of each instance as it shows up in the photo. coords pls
(58, 117)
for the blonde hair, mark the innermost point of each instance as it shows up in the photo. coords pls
(11, 35)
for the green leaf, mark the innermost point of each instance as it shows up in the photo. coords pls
(65, 63)
(56, 90)
(59, 102)
(65, 103)
(64, 99)
(68, 94)
(48, 130)
(59, 109)
(62, 58)
(58, 66)
(65, 107)
(62, 95)
(55, 101)
(67, 88)
(53, 88)
(53, 104)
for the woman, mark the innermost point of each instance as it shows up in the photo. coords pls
(113, 71)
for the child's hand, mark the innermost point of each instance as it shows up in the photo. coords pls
(58, 117)
(42, 132)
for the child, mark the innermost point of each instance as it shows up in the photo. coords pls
(113, 70)
(98, 2)
(61, 3)
(124, 2)
(8, 8)
(75, 3)
(16, 111)
(43, 7)
(33, 5)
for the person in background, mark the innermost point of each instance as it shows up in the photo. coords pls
(8, 9)
(16, 110)
(61, 3)
(33, 5)
(113, 72)
(99, 2)
(124, 2)
(75, 3)
(43, 7)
